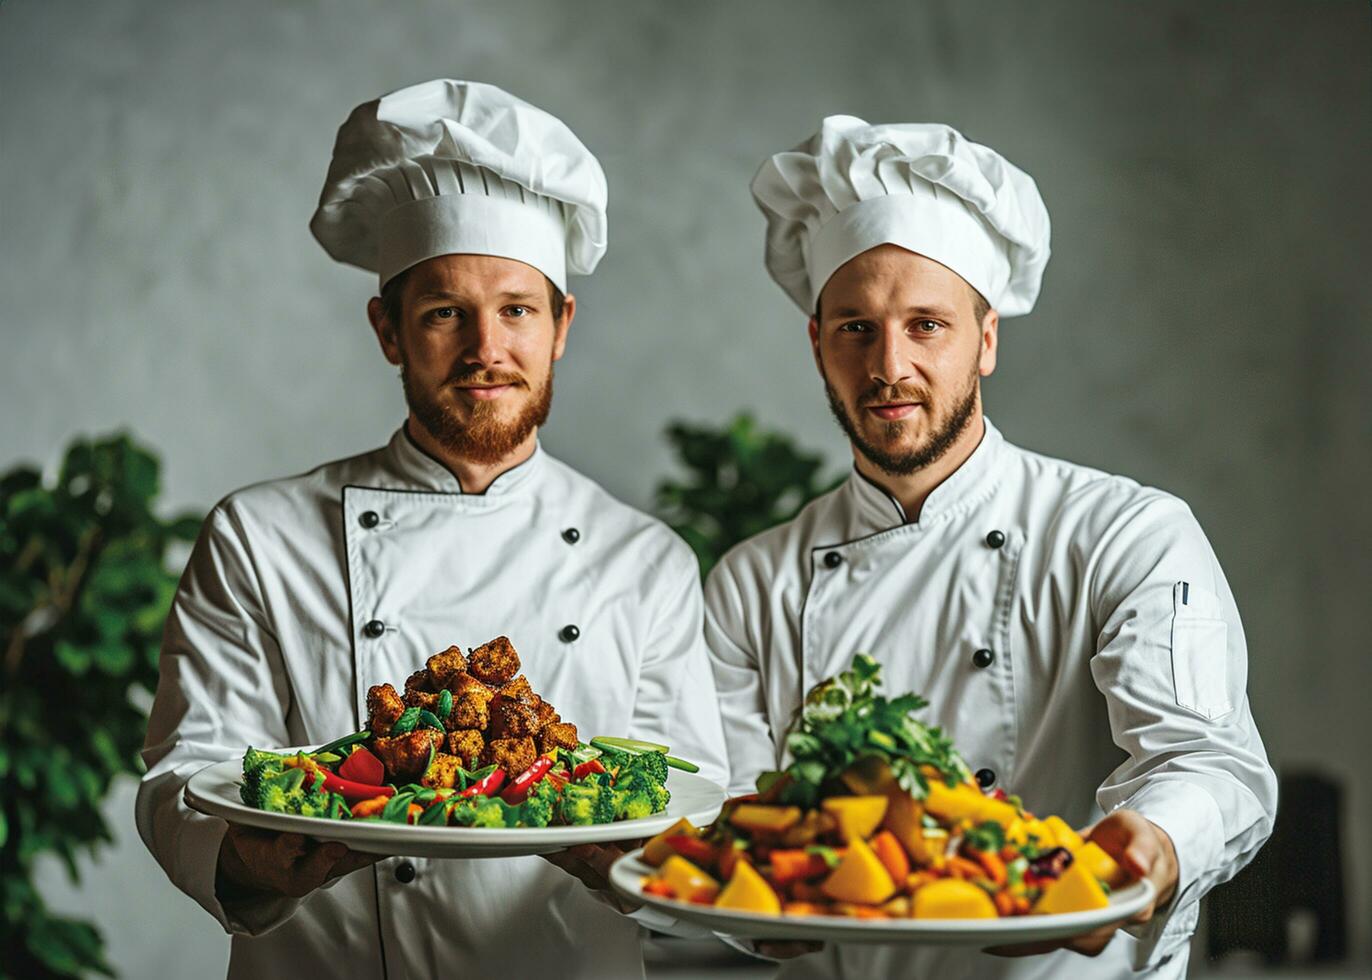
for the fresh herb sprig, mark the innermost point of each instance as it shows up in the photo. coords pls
(844, 720)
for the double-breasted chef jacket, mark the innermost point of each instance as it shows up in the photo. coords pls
(302, 593)
(1072, 631)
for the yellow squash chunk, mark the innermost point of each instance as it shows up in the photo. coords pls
(1037, 829)
(1077, 890)
(1063, 834)
(688, 881)
(748, 891)
(1100, 864)
(952, 803)
(860, 877)
(858, 817)
(952, 898)
(904, 819)
(767, 819)
(656, 850)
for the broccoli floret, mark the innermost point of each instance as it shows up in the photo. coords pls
(538, 808)
(638, 795)
(480, 811)
(257, 767)
(652, 764)
(587, 802)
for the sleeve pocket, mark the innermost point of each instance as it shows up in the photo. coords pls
(1199, 652)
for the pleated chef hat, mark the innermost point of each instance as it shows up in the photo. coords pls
(448, 166)
(922, 186)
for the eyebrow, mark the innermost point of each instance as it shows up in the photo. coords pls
(522, 296)
(934, 311)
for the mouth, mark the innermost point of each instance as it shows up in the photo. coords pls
(892, 411)
(484, 392)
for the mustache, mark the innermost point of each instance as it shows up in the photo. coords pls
(481, 376)
(884, 394)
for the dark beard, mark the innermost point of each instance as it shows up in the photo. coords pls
(945, 433)
(484, 438)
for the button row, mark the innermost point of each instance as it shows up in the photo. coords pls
(568, 634)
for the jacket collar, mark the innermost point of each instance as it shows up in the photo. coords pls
(414, 469)
(870, 509)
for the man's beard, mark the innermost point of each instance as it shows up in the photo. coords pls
(484, 438)
(946, 427)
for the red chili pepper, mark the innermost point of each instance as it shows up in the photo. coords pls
(558, 779)
(353, 791)
(486, 785)
(586, 768)
(518, 790)
(363, 767)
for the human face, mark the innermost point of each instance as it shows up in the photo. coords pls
(476, 344)
(901, 354)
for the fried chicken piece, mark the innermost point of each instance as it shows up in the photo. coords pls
(547, 714)
(383, 708)
(406, 756)
(421, 699)
(514, 755)
(445, 667)
(511, 718)
(495, 663)
(418, 681)
(471, 704)
(466, 745)
(442, 772)
(560, 735)
(519, 688)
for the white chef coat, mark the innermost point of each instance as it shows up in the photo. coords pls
(1117, 668)
(270, 643)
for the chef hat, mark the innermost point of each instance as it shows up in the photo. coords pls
(922, 186)
(445, 167)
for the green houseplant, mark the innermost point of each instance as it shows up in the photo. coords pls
(739, 480)
(84, 591)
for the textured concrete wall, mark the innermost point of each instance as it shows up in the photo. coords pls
(1203, 325)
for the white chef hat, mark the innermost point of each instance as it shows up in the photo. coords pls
(922, 186)
(447, 167)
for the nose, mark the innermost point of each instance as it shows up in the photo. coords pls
(484, 344)
(892, 365)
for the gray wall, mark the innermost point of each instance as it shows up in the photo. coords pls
(1203, 325)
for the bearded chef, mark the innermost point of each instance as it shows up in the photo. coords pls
(472, 208)
(1072, 630)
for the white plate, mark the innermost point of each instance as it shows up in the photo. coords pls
(214, 790)
(627, 877)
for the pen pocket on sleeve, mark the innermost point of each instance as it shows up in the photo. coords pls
(1199, 652)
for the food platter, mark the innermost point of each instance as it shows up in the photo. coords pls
(628, 873)
(214, 790)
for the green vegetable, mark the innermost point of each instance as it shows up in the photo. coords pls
(397, 808)
(637, 794)
(406, 722)
(589, 802)
(480, 811)
(988, 836)
(344, 742)
(436, 814)
(681, 764)
(628, 744)
(538, 807)
(428, 719)
(445, 704)
(284, 791)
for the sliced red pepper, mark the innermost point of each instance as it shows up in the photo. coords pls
(486, 785)
(363, 767)
(698, 852)
(586, 768)
(518, 791)
(558, 779)
(353, 791)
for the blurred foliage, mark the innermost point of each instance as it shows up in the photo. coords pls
(740, 480)
(84, 591)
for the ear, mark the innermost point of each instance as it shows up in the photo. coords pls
(561, 327)
(990, 337)
(385, 330)
(814, 345)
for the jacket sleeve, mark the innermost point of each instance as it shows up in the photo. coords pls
(222, 687)
(753, 747)
(1172, 664)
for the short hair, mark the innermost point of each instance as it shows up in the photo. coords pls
(394, 289)
(979, 305)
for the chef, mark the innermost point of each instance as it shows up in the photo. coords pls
(1072, 630)
(472, 208)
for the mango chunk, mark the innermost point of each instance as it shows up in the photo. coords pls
(761, 817)
(952, 898)
(1076, 890)
(1063, 834)
(748, 891)
(1102, 865)
(858, 817)
(860, 877)
(688, 881)
(656, 850)
(952, 803)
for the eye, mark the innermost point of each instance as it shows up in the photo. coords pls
(518, 312)
(443, 313)
(927, 326)
(855, 326)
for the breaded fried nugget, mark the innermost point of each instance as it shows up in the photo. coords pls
(511, 718)
(421, 699)
(519, 688)
(383, 708)
(471, 704)
(514, 755)
(405, 756)
(560, 735)
(418, 681)
(546, 714)
(466, 745)
(495, 662)
(444, 667)
(442, 772)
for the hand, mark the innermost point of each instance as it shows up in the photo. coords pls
(260, 862)
(1142, 849)
(590, 864)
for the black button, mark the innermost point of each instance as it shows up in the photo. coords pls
(985, 777)
(568, 633)
(571, 535)
(833, 559)
(374, 628)
(404, 872)
(983, 658)
(369, 518)
(995, 539)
